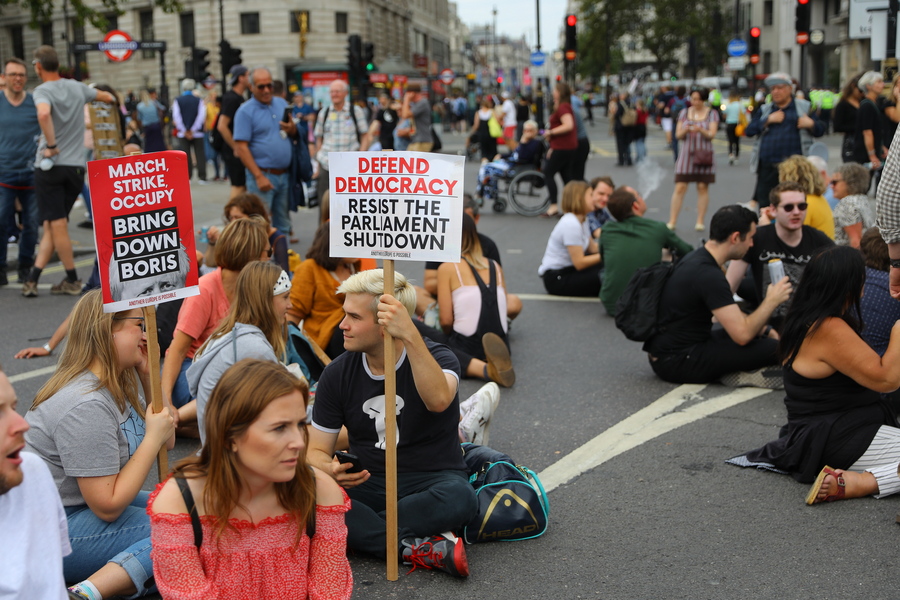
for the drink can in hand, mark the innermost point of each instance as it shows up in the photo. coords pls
(776, 270)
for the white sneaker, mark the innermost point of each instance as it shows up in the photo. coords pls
(478, 410)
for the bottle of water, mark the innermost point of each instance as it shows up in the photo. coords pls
(46, 164)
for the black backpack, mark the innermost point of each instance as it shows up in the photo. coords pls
(215, 137)
(637, 309)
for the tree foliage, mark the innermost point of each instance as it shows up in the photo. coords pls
(43, 11)
(596, 48)
(661, 27)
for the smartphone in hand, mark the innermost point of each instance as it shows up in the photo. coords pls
(286, 117)
(346, 457)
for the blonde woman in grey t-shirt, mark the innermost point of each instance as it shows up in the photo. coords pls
(76, 427)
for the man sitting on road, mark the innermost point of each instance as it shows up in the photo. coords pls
(688, 349)
(630, 243)
(32, 519)
(786, 239)
(435, 497)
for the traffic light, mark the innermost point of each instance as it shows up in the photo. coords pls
(229, 55)
(499, 80)
(369, 56)
(754, 44)
(199, 57)
(571, 41)
(354, 54)
(802, 16)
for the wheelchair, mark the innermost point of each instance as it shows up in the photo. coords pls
(524, 187)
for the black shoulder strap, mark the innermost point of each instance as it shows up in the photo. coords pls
(355, 124)
(192, 510)
(311, 521)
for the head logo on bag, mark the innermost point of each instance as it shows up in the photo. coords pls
(512, 503)
(520, 531)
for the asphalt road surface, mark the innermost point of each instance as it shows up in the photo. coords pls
(642, 504)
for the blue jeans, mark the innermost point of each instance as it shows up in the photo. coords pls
(640, 148)
(125, 541)
(275, 199)
(212, 156)
(181, 393)
(8, 195)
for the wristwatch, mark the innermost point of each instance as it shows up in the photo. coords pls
(47, 348)
(895, 263)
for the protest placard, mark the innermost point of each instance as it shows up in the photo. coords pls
(143, 229)
(396, 205)
(106, 127)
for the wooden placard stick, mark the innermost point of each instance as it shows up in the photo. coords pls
(155, 399)
(390, 438)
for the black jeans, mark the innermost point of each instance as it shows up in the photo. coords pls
(428, 503)
(572, 282)
(707, 362)
(766, 179)
(560, 161)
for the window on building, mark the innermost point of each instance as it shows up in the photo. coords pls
(249, 23)
(296, 16)
(187, 29)
(767, 62)
(18, 41)
(112, 21)
(768, 12)
(47, 34)
(340, 22)
(146, 19)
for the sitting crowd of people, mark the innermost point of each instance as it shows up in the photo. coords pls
(266, 509)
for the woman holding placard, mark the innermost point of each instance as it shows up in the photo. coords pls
(78, 423)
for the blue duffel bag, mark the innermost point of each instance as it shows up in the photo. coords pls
(512, 503)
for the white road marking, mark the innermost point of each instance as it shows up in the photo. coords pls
(31, 374)
(648, 423)
(550, 298)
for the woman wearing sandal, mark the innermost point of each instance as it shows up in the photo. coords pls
(833, 383)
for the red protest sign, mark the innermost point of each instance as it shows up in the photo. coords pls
(143, 229)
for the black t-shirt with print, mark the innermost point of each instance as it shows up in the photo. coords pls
(768, 246)
(348, 394)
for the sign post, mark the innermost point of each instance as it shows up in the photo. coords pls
(143, 231)
(395, 206)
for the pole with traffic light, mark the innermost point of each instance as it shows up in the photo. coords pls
(571, 46)
(801, 23)
(753, 47)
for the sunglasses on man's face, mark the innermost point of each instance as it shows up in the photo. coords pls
(790, 207)
(264, 86)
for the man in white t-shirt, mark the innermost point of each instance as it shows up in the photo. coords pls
(509, 121)
(32, 519)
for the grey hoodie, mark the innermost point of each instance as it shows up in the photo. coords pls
(244, 341)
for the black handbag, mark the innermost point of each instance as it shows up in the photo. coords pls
(512, 503)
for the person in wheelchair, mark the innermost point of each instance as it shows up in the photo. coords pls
(527, 154)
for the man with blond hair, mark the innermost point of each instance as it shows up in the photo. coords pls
(434, 495)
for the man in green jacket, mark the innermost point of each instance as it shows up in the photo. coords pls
(631, 243)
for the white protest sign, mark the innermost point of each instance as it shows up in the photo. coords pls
(396, 205)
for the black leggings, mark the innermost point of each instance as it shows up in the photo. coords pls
(572, 282)
(734, 144)
(707, 362)
(560, 161)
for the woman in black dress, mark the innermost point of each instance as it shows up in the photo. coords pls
(841, 435)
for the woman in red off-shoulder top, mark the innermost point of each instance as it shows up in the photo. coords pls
(271, 527)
